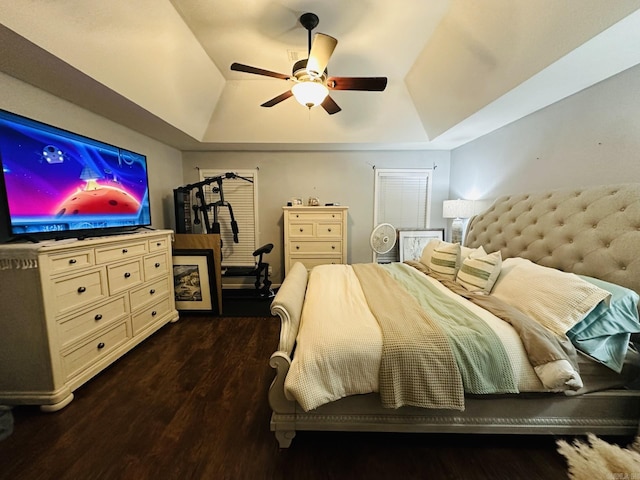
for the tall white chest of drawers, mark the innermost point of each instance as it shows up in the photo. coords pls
(314, 235)
(69, 309)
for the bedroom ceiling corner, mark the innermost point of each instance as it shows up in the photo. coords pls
(481, 51)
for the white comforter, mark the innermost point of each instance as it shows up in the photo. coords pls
(339, 343)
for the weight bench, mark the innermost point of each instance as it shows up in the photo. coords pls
(260, 270)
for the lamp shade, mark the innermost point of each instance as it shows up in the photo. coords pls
(310, 93)
(457, 208)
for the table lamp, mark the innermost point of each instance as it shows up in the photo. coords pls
(458, 210)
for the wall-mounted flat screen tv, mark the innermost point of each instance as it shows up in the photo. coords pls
(58, 184)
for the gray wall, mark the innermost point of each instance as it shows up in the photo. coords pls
(164, 163)
(344, 177)
(590, 138)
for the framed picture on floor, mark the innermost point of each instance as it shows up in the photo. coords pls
(194, 281)
(412, 242)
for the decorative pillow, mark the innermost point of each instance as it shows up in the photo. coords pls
(445, 260)
(427, 251)
(557, 300)
(604, 333)
(465, 252)
(479, 274)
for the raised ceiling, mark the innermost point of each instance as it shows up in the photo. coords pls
(457, 69)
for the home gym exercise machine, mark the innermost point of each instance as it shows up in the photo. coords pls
(183, 208)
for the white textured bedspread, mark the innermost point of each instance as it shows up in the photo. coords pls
(340, 344)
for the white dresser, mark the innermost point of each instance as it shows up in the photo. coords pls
(70, 308)
(314, 236)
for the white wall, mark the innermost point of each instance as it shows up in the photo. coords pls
(344, 177)
(164, 163)
(590, 138)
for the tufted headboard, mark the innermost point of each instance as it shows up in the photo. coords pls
(592, 231)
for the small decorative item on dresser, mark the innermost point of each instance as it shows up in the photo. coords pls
(314, 201)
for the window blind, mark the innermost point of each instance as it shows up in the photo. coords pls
(242, 196)
(402, 198)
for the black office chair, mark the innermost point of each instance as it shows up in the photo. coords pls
(260, 270)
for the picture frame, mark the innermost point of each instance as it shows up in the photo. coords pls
(194, 280)
(412, 242)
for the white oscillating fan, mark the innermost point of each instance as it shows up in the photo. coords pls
(383, 238)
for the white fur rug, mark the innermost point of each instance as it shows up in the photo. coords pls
(597, 459)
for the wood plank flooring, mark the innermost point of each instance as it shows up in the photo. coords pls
(191, 403)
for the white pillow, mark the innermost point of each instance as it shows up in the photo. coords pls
(466, 252)
(445, 260)
(479, 273)
(555, 299)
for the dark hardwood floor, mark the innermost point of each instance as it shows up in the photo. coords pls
(191, 403)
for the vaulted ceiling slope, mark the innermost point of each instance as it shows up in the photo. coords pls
(457, 69)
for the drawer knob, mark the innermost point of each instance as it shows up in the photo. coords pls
(124, 250)
(297, 247)
(127, 275)
(82, 289)
(158, 244)
(152, 291)
(297, 216)
(328, 229)
(157, 265)
(333, 247)
(302, 229)
(72, 261)
(100, 345)
(154, 313)
(98, 317)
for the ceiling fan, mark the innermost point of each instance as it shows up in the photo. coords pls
(311, 82)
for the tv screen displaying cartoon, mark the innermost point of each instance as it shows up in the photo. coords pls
(60, 184)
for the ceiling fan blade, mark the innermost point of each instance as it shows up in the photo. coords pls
(239, 67)
(330, 105)
(321, 50)
(370, 84)
(278, 99)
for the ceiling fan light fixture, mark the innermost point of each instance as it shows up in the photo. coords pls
(310, 93)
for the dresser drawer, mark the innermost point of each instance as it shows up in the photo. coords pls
(158, 244)
(329, 230)
(311, 216)
(73, 328)
(149, 293)
(72, 292)
(155, 266)
(70, 261)
(76, 360)
(124, 276)
(121, 251)
(316, 247)
(299, 230)
(309, 261)
(149, 315)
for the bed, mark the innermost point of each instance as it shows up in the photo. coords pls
(587, 236)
